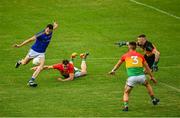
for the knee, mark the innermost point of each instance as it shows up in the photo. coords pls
(126, 92)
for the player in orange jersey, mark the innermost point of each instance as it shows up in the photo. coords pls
(135, 64)
(67, 69)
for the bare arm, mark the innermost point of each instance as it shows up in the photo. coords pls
(25, 42)
(157, 54)
(116, 67)
(149, 72)
(70, 78)
(44, 67)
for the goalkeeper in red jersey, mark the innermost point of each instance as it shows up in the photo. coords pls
(135, 64)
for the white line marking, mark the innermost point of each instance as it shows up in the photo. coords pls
(116, 58)
(167, 85)
(165, 67)
(159, 10)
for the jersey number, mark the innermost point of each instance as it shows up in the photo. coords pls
(135, 59)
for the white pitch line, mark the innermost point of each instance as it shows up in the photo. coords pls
(167, 85)
(159, 10)
(115, 58)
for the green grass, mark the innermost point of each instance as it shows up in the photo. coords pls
(87, 25)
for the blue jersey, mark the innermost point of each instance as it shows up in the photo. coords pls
(42, 42)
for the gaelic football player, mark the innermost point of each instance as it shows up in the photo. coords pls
(67, 68)
(38, 49)
(151, 53)
(135, 64)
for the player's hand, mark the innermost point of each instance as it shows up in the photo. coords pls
(16, 46)
(60, 79)
(112, 72)
(121, 43)
(154, 68)
(55, 24)
(153, 79)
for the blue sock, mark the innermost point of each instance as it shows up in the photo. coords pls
(32, 80)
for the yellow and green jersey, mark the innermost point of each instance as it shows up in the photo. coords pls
(134, 63)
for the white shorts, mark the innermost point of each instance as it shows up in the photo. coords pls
(33, 54)
(133, 80)
(77, 72)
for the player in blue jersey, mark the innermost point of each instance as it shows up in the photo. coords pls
(38, 49)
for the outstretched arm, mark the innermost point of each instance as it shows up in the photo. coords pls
(55, 25)
(71, 77)
(44, 67)
(149, 72)
(25, 42)
(116, 67)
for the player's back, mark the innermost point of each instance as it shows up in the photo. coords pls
(134, 63)
(42, 42)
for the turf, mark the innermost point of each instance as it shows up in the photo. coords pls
(93, 26)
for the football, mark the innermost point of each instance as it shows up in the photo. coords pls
(36, 61)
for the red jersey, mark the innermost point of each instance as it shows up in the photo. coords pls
(64, 72)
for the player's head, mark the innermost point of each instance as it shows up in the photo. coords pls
(65, 62)
(141, 39)
(49, 29)
(132, 45)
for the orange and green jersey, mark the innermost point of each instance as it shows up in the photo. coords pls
(134, 63)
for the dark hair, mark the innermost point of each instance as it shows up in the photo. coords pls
(50, 26)
(142, 36)
(133, 45)
(65, 62)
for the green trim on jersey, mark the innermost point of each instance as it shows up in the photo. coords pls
(135, 71)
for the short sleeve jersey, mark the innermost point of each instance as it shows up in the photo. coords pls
(62, 70)
(134, 63)
(42, 42)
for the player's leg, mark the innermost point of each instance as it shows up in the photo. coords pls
(127, 90)
(72, 57)
(24, 61)
(31, 54)
(83, 63)
(131, 81)
(155, 101)
(36, 72)
(83, 71)
(150, 59)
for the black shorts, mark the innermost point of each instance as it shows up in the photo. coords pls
(150, 59)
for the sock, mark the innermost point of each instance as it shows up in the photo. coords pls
(32, 79)
(125, 104)
(19, 62)
(84, 59)
(71, 60)
(152, 97)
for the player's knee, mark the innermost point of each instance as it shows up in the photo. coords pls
(146, 83)
(126, 91)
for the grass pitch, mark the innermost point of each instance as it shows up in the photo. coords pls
(93, 26)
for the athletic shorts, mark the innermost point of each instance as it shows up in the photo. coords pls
(77, 72)
(33, 54)
(150, 59)
(133, 80)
